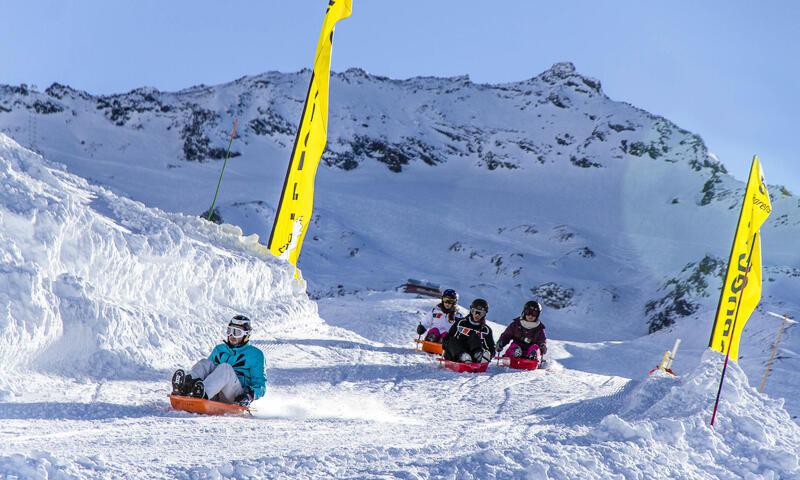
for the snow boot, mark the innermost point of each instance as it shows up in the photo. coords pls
(517, 352)
(178, 383)
(199, 390)
(465, 358)
(483, 356)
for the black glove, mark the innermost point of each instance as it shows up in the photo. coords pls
(246, 398)
(420, 329)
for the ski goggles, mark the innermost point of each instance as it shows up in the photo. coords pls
(532, 312)
(478, 311)
(236, 332)
(449, 301)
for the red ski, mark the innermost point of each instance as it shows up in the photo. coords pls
(460, 367)
(206, 407)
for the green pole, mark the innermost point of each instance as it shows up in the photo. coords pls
(219, 182)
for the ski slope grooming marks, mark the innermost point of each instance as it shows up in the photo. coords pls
(104, 297)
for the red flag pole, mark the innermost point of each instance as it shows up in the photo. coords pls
(721, 378)
(733, 329)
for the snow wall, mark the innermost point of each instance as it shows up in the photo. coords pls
(95, 285)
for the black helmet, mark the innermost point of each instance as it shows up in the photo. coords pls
(480, 303)
(450, 293)
(533, 307)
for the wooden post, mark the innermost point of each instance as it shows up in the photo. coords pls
(774, 353)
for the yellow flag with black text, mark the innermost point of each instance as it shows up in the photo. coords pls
(741, 291)
(293, 214)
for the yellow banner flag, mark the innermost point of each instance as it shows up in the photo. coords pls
(297, 199)
(741, 291)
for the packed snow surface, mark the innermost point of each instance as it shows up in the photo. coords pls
(104, 297)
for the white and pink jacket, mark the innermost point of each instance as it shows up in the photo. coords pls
(442, 320)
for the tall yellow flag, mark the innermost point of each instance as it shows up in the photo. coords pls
(297, 199)
(741, 291)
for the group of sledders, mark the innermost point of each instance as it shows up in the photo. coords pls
(233, 373)
(466, 338)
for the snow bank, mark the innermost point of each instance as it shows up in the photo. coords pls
(38, 466)
(95, 285)
(753, 434)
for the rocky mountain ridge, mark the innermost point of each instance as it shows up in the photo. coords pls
(557, 133)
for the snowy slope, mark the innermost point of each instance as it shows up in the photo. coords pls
(617, 219)
(104, 296)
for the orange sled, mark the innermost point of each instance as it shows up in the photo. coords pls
(464, 367)
(206, 407)
(518, 363)
(429, 347)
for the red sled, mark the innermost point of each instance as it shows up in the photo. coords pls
(429, 347)
(461, 367)
(206, 407)
(519, 363)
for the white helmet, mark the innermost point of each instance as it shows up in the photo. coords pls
(239, 328)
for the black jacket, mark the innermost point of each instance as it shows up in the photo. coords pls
(469, 337)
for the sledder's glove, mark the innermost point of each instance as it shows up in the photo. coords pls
(246, 398)
(420, 329)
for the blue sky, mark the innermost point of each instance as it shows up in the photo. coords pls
(727, 70)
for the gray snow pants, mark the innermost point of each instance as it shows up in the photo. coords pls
(218, 379)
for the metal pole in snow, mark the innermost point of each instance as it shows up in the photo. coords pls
(774, 347)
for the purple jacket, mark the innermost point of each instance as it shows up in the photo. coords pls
(523, 336)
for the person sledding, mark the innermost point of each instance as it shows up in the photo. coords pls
(525, 334)
(470, 340)
(443, 315)
(233, 373)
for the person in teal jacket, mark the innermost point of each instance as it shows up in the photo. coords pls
(232, 373)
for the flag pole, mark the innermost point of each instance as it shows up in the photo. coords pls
(733, 329)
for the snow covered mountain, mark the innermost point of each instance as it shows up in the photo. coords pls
(544, 187)
(104, 296)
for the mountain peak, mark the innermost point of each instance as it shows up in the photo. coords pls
(563, 68)
(565, 72)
